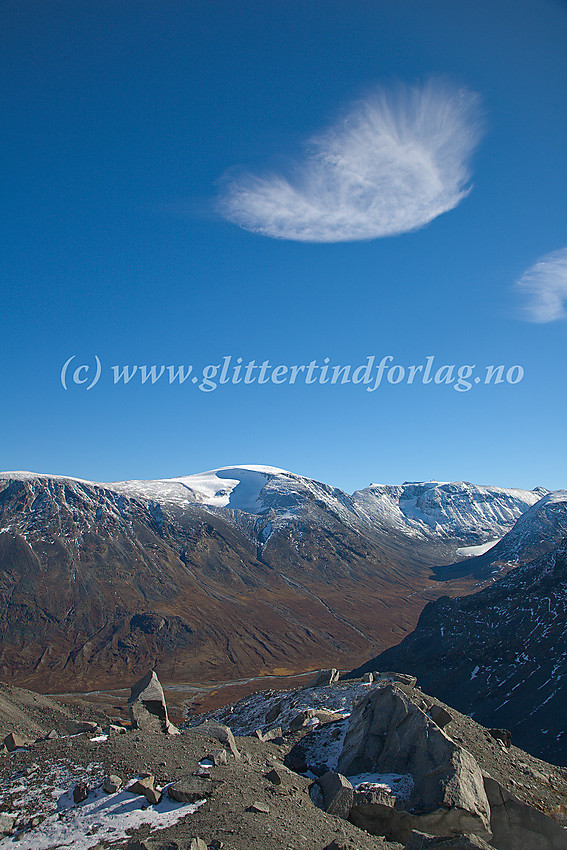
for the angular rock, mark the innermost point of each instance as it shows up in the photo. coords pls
(80, 792)
(373, 797)
(270, 735)
(191, 789)
(503, 735)
(440, 715)
(145, 788)
(368, 678)
(388, 733)
(14, 741)
(218, 757)
(222, 733)
(324, 677)
(259, 808)
(274, 776)
(77, 727)
(337, 794)
(7, 823)
(300, 720)
(516, 825)
(114, 729)
(197, 844)
(402, 678)
(274, 712)
(303, 719)
(112, 783)
(148, 711)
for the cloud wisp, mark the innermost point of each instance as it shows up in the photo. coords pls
(397, 160)
(544, 288)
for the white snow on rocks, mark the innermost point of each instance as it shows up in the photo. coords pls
(101, 817)
(401, 785)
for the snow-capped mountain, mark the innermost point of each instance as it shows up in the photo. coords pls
(447, 510)
(232, 572)
(426, 512)
(537, 531)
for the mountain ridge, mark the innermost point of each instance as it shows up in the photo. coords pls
(97, 583)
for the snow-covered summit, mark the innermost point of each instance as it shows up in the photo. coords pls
(447, 508)
(236, 487)
(472, 514)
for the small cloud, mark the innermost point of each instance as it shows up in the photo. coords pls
(397, 160)
(544, 286)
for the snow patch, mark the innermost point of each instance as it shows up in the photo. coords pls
(401, 785)
(102, 817)
(472, 551)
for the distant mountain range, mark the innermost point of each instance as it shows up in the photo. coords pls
(238, 571)
(501, 654)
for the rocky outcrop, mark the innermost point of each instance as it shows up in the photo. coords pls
(255, 800)
(388, 733)
(148, 711)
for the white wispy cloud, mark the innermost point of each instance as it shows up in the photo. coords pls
(395, 161)
(544, 288)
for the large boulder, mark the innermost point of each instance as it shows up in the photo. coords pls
(13, 741)
(337, 794)
(516, 825)
(324, 677)
(388, 733)
(223, 735)
(148, 711)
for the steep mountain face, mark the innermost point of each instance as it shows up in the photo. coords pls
(500, 654)
(539, 530)
(235, 572)
(451, 511)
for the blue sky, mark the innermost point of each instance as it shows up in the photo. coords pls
(188, 181)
